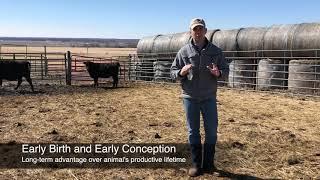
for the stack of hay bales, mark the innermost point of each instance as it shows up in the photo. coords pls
(260, 55)
(273, 73)
(248, 40)
(162, 70)
(160, 52)
(145, 54)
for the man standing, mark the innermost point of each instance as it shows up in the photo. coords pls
(198, 64)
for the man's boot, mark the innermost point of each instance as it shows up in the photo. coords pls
(208, 158)
(196, 156)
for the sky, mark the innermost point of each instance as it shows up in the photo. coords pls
(139, 18)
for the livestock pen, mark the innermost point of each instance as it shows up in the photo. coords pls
(65, 68)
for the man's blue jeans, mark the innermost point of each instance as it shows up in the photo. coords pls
(208, 109)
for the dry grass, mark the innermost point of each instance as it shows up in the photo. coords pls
(96, 52)
(260, 135)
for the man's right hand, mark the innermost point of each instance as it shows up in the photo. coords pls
(185, 70)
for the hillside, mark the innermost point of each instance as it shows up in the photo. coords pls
(71, 42)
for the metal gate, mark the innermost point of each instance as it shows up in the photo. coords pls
(45, 67)
(80, 76)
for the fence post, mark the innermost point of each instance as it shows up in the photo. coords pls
(26, 51)
(41, 66)
(124, 71)
(45, 61)
(75, 64)
(129, 72)
(65, 66)
(68, 74)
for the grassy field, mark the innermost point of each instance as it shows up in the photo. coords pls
(260, 135)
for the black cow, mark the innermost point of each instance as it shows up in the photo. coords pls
(103, 70)
(15, 70)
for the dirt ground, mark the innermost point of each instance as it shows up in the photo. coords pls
(260, 135)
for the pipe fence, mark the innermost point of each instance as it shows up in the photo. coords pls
(287, 73)
(252, 70)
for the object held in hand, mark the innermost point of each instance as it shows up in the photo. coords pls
(186, 69)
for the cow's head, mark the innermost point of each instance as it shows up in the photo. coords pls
(87, 63)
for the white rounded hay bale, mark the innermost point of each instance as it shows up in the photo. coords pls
(272, 74)
(304, 75)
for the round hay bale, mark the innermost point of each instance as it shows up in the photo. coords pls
(210, 34)
(223, 81)
(304, 75)
(178, 40)
(279, 37)
(147, 72)
(135, 70)
(306, 36)
(227, 41)
(145, 45)
(249, 39)
(161, 45)
(240, 74)
(162, 70)
(231, 78)
(272, 74)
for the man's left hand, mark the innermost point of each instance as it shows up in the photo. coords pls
(214, 70)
